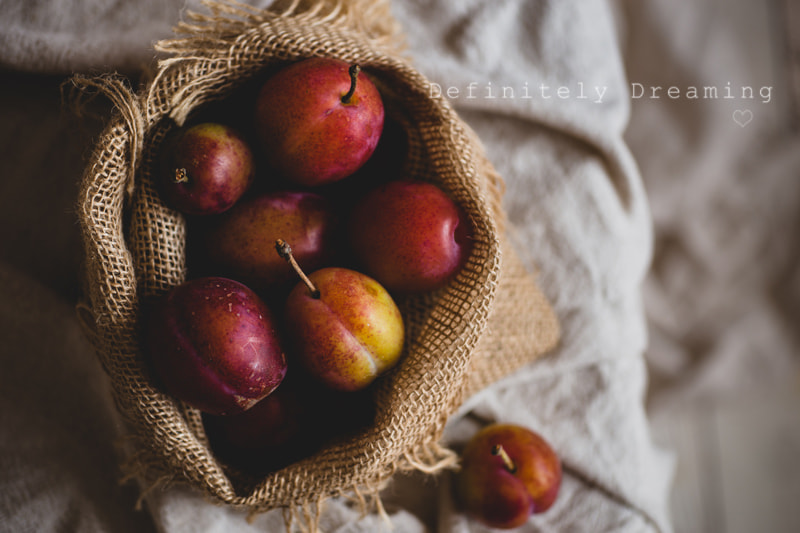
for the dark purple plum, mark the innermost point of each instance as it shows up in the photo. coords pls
(267, 436)
(293, 422)
(213, 344)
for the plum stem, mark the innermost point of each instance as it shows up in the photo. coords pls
(498, 449)
(285, 251)
(354, 70)
(181, 176)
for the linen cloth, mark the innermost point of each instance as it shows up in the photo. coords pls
(723, 293)
(574, 196)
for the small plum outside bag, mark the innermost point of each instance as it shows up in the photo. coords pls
(489, 321)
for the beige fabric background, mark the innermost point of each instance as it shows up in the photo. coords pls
(714, 205)
(722, 295)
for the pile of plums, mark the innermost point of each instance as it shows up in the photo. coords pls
(296, 257)
(299, 246)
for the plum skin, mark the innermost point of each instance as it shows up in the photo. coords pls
(218, 166)
(240, 243)
(307, 133)
(500, 498)
(409, 235)
(348, 336)
(213, 343)
(269, 435)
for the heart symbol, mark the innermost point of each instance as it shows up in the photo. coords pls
(742, 117)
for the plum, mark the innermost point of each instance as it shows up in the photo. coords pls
(508, 473)
(240, 243)
(214, 344)
(409, 235)
(205, 169)
(318, 120)
(342, 325)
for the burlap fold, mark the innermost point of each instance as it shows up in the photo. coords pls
(488, 322)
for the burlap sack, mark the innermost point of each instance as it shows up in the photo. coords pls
(488, 322)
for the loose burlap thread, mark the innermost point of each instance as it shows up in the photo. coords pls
(490, 320)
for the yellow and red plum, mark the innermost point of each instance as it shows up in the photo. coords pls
(348, 333)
